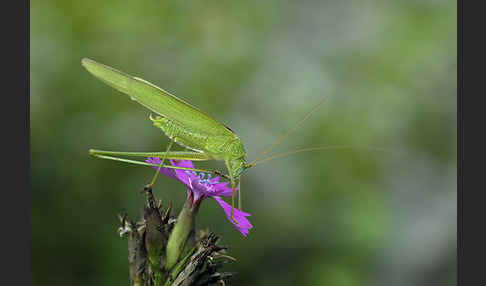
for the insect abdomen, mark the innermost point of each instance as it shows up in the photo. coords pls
(186, 138)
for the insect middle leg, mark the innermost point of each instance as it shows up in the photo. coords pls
(161, 164)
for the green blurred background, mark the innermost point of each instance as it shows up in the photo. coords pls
(337, 217)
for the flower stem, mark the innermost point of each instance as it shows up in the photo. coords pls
(183, 234)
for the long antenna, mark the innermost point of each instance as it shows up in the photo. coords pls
(288, 132)
(319, 148)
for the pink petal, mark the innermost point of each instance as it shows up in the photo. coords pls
(244, 224)
(165, 171)
(182, 174)
(224, 189)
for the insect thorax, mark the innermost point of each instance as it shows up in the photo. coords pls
(236, 158)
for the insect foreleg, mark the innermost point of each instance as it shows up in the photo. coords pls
(239, 194)
(232, 180)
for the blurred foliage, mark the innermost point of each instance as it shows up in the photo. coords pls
(336, 217)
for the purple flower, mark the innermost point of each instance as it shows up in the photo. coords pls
(199, 188)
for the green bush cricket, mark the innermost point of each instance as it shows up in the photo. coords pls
(207, 138)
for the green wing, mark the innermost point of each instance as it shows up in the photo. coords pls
(157, 99)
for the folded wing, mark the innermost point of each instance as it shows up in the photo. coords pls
(157, 99)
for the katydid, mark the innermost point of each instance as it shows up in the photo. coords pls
(207, 138)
